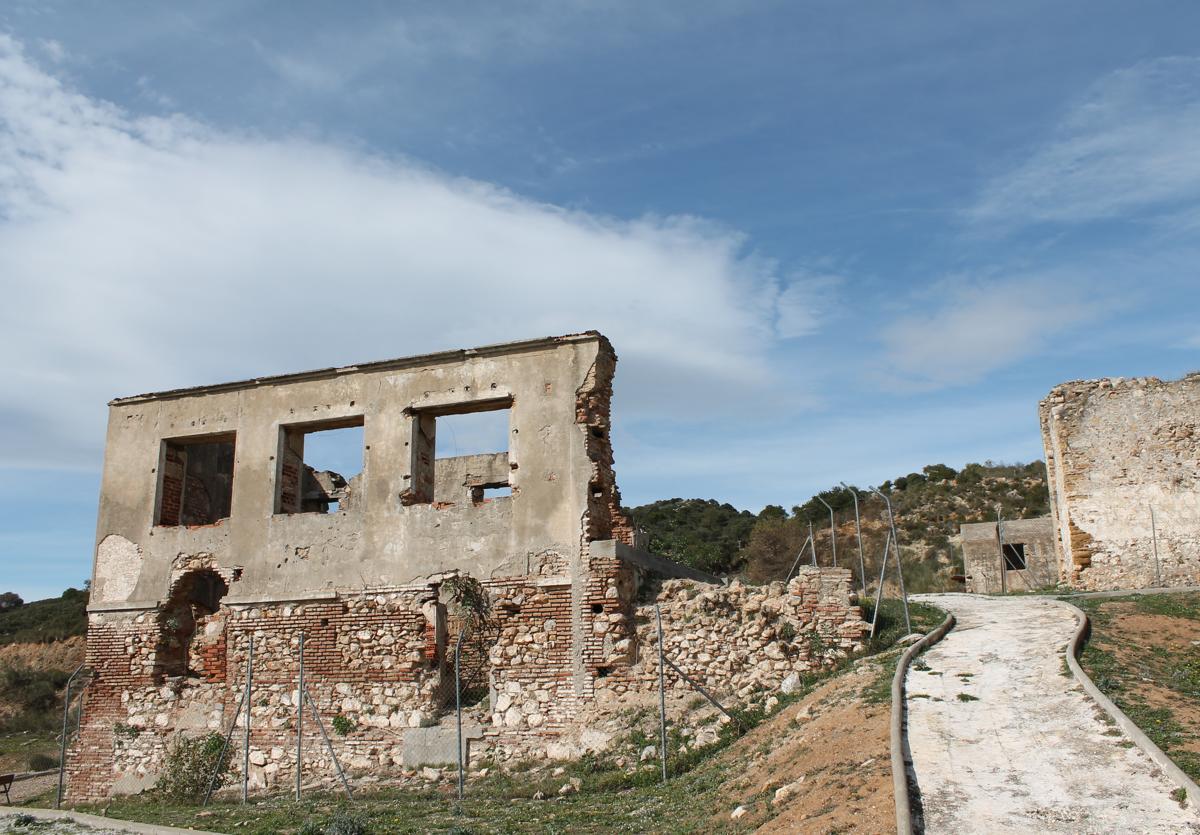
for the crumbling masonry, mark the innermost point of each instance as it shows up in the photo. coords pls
(213, 529)
(1123, 460)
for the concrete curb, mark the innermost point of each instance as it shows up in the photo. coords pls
(899, 744)
(1080, 595)
(29, 775)
(98, 822)
(1126, 724)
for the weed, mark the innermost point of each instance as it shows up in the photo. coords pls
(1180, 797)
(343, 725)
(191, 764)
(966, 697)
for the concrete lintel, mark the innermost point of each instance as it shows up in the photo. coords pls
(123, 606)
(320, 597)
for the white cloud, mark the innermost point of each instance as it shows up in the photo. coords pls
(980, 326)
(143, 253)
(1129, 145)
(803, 302)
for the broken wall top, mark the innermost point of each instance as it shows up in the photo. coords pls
(396, 532)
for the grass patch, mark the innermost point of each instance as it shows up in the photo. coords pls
(1126, 672)
(966, 697)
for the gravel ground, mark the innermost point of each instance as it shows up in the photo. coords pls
(1004, 740)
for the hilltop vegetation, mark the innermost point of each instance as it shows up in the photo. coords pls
(44, 621)
(929, 507)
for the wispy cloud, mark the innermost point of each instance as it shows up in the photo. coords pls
(980, 326)
(1128, 146)
(140, 253)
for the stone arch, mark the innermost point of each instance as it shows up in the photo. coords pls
(195, 598)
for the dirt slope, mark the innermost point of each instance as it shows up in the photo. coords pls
(831, 749)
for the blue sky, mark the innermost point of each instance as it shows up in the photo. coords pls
(829, 241)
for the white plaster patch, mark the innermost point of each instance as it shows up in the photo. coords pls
(118, 564)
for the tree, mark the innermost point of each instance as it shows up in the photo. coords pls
(774, 544)
(939, 472)
(10, 600)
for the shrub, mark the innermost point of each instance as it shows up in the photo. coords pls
(42, 762)
(190, 766)
(341, 822)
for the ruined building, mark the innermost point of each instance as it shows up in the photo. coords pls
(1123, 460)
(1014, 555)
(214, 527)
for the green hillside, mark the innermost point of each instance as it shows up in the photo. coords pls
(45, 620)
(929, 507)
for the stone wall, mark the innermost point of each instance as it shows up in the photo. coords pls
(383, 660)
(739, 639)
(1116, 449)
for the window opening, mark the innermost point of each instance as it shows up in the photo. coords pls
(461, 454)
(196, 481)
(320, 468)
(1014, 556)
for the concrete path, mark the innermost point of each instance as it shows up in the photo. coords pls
(1024, 749)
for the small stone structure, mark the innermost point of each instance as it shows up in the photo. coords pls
(214, 528)
(1016, 555)
(1123, 460)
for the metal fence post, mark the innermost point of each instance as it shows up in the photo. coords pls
(1003, 561)
(458, 708)
(212, 780)
(862, 563)
(62, 752)
(329, 745)
(300, 720)
(887, 543)
(662, 694)
(1154, 538)
(246, 731)
(832, 529)
(812, 543)
(799, 557)
(899, 565)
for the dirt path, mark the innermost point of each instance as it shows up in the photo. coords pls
(1004, 740)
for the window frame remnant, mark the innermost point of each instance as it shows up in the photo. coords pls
(422, 479)
(297, 483)
(1015, 558)
(171, 509)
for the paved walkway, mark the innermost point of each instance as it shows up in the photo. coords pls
(1004, 740)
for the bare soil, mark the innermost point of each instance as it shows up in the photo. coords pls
(837, 743)
(1150, 645)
